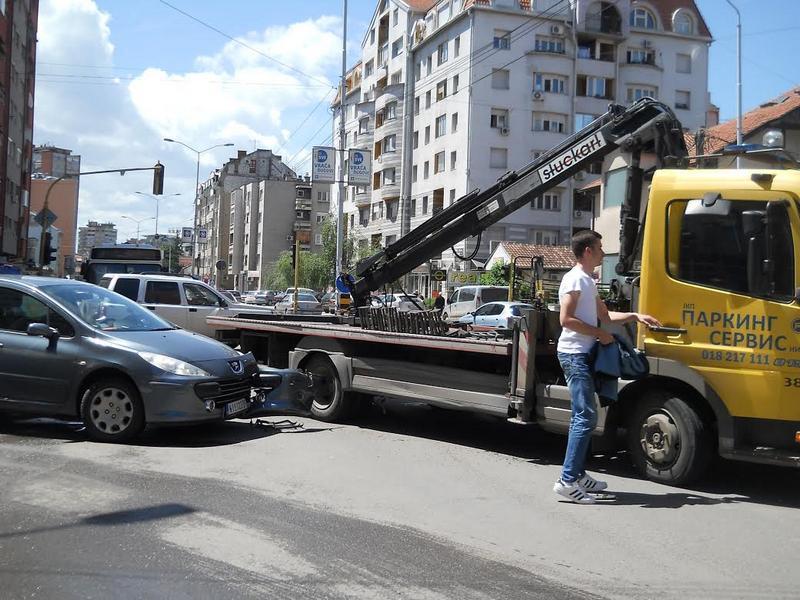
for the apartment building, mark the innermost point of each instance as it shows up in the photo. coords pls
(463, 90)
(95, 234)
(18, 26)
(312, 207)
(213, 209)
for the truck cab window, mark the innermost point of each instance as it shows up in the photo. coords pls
(742, 246)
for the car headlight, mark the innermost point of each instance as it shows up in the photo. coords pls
(173, 365)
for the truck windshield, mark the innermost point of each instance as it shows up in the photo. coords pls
(104, 310)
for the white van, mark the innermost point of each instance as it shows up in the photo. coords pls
(468, 298)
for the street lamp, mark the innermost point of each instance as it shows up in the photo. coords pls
(138, 222)
(196, 181)
(156, 199)
(738, 80)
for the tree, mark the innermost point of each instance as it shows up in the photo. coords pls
(172, 250)
(313, 272)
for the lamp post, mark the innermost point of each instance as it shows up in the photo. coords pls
(196, 185)
(738, 80)
(156, 199)
(138, 223)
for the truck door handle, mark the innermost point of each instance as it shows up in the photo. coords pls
(150, 307)
(662, 329)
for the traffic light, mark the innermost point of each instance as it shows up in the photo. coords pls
(294, 253)
(48, 252)
(158, 179)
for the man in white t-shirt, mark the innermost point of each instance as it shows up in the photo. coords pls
(581, 311)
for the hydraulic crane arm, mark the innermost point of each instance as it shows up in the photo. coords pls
(646, 125)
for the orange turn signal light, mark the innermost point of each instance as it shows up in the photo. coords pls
(797, 437)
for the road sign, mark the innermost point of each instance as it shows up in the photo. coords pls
(186, 234)
(323, 164)
(202, 235)
(45, 217)
(359, 167)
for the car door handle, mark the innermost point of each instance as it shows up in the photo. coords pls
(192, 310)
(150, 307)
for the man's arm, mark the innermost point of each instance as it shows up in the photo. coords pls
(569, 304)
(611, 316)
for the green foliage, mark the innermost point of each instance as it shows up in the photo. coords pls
(496, 275)
(172, 250)
(313, 273)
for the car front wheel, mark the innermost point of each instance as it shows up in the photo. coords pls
(112, 411)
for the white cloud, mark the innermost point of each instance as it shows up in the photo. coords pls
(233, 94)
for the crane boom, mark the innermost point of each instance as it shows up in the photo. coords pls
(647, 125)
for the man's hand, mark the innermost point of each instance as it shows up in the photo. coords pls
(605, 338)
(648, 320)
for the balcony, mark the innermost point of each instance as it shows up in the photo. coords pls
(362, 198)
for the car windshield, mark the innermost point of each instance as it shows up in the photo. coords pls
(304, 298)
(105, 310)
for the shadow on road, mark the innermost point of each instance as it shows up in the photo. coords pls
(735, 481)
(119, 517)
(196, 436)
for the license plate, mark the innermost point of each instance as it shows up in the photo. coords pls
(234, 407)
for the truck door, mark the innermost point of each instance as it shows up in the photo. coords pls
(731, 274)
(164, 299)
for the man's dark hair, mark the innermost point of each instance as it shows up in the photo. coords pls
(583, 240)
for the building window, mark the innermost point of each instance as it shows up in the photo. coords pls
(426, 168)
(637, 56)
(614, 188)
(441, 90)
(414, 174)
(428, 99)
(452, 196)
(642, 19)
(424, 205)
(318, 239)
(441, 54)
(500, 79)
(416, 105)
(545, 237)
(397, 47)
(682, 99)
(498, 158)
(390, 143)
(682, 23)
(583, 120)
(498, 118)
(502, 40)
(396, 77)
(549, 44)
(363, 125)
(372, 36)
(416, 140)
(363, 216)
(441, 125)
(438, 162)
(369, 68)
(388, 176)
(549, 201)
(592, 87)
(390, 111)
(548, 122)
(430, 64)
(395, 17)
(427, 134)
(637, 93)
(453, 157)
(457, 46)
(549, 83)
(683, 63)
(454, 123)
(455, 83)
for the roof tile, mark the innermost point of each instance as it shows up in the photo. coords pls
(555, 257)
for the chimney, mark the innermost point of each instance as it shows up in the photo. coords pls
(241, 154)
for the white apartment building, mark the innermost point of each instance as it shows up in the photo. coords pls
(460, 91)
(95, 234)
(213, 209)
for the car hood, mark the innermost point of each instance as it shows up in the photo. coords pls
(178, 343)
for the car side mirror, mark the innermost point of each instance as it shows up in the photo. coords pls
(45, 331)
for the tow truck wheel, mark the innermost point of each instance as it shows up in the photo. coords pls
(330, 403)
(667, 439)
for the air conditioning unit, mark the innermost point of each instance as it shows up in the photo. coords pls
(557, 30)
(579, 176)
(647, 44)
(504, 131)
(538, 95)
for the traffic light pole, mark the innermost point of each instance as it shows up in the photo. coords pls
(158, 189)
(296, 269)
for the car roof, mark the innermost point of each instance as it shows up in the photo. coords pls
(37, 281)
(164, 276)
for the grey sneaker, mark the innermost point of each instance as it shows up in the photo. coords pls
(590, 484)
(573, 492)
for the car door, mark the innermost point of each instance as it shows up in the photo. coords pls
(487, 315)
(201, 302)
(33, 372)
(164, 298)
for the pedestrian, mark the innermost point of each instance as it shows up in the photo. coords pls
(581, 311)
(438, 303)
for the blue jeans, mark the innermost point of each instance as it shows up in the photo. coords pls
(580, 382)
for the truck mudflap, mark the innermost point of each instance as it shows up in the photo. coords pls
(280, 392)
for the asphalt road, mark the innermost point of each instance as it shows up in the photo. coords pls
(410, 503)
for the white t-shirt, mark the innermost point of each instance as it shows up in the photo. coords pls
(576, 280)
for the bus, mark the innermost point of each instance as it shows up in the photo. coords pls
(122, 258)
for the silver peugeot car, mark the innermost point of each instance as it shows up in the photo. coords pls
(70, 349)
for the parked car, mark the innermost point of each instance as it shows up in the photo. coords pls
(71, 349)
(493, 315)
(236, 294)
(182, 301)
(402, 302)
(468, 298)
(307, 304)
(228, 296)
(302, 290)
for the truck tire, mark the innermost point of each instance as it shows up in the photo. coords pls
(330, 402)
(112, 411)
(667, 439)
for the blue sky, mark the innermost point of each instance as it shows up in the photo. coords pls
(179, 79)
